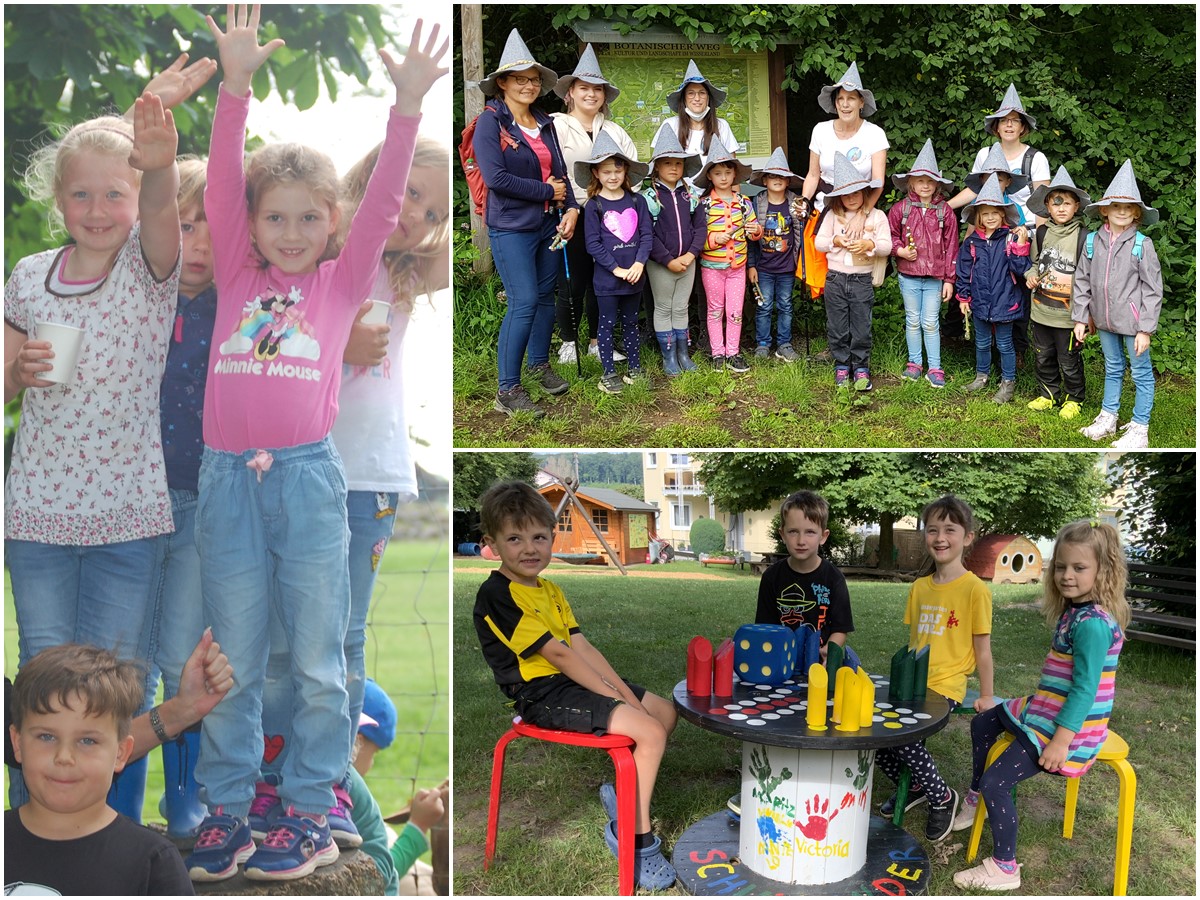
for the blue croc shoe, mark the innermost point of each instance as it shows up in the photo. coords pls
(608, 799)
(223, 842)
(293, 848)
(651, 870)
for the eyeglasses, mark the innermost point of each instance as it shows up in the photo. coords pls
(523, 80)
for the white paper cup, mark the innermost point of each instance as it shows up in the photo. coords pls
(65, 341)
(377, 314)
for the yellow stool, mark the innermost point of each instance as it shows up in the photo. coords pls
(1115, 753)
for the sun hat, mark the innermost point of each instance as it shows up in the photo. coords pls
(516, 58)
(716, 96)
(991, 195)
(604, 147)
(778, 165)
(925, 164)
(1124, 189)
(1010, 103)
(666, 146)
(849, 81)
(994, 162)
(1061, 182)
(587, 70)
(717, 153)
(847, 179)
(378, 706)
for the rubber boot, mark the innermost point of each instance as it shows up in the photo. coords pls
(128, 790)
(670, 365)
(181, 795)
(681, 351)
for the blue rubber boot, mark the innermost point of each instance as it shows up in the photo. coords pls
(681, 351)
(181, 795)
(665, 343)
(128, 791)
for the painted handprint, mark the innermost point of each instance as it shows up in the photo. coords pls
(760, 768)
(818, 819)
(864, 772)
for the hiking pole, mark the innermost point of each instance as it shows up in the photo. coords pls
(804, 276)
(562, 245)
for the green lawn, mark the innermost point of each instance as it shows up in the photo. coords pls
(408, 643)
(550, 840)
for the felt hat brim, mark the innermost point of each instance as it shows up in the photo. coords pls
(991, 123)
(549, 78)
(716, 96)
(741, 169)
(975, 181)
(825, 100)
(691, 162)
(583, 168)
(901, 180)
(1011, 216)
(1149, 213)
(1037, 200)
(795, 182)
(853, 186)
(562, 87)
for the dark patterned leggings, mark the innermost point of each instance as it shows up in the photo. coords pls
(1018, 762)
(919, 761)
(627, 306)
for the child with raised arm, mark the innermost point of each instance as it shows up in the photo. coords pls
(552, 673)
(271, 521)
(1062, 726)
(950, 612)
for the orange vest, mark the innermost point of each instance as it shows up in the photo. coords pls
(811, 267)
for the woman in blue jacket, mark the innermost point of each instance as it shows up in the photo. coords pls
(530, 204)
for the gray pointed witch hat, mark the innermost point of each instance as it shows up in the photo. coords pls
(847, 179)
(991, 194)
(517, 58)
(1124, 189)
(996, 162)
(1010, 103)
(925, 164)
(716, 96)
(604, 147)
(666, 146)
(587, 69)
(718, 153)
(778, 165)
(1061, 182)
(849, 81)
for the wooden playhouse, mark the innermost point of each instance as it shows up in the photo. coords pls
(1006, 559)
(626, 524)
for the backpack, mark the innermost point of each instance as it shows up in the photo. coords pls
(466, 155)
(1136, 250)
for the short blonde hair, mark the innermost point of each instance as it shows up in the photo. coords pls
(193, 177)
(277, 164)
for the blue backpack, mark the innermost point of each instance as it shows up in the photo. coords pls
(1090, 245)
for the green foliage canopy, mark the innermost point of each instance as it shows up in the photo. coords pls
(474, 473)
(1160, 515)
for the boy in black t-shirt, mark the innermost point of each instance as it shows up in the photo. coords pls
(72, 710)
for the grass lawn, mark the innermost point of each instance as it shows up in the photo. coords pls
(777, 404)
(550, 840)
(407, 653)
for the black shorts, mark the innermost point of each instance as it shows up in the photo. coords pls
(558, 702)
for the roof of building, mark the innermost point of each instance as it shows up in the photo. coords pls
(606, 497)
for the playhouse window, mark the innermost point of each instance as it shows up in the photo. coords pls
(1018, 562)
(600, 518)
(564, 520)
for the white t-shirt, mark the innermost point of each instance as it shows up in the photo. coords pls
(1040, 171)
(859, 148)
(370, 431)
(696, 137)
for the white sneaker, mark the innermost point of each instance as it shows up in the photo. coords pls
(594, 350)
(1102, 426)
(1135, 437)
(966, 813)
(566, 353)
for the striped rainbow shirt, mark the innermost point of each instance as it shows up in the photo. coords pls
(722, 216)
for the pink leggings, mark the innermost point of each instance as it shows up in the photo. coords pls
(726, 292)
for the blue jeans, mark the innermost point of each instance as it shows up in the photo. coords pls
(1004, 343)
(371, 518)
(777, 291)
(276, 541)
(922, 308)
(98, 595)
(1115, 346)
(529, 270)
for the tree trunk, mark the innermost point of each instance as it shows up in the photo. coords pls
(473, 99)
(887, 553)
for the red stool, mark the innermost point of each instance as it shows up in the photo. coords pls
(619, 747)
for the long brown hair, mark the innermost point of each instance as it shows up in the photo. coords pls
(710, 123)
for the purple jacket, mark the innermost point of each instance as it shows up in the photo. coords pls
(679, 228)
(936, 248)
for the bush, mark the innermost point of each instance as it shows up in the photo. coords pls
(707, 536)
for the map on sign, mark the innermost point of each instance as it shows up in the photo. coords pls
(647, 73)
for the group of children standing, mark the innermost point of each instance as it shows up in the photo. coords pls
(540, 659)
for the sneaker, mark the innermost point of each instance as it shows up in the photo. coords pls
(651, 870)
(978, 384)
(223, 842)
(912, 372)
(341, 823)
(1070, 410)
(936, 377)
(966, 815)
(718, 363)
(1135, 437)
(736, 363)
(1041, 404)
(941, 817)
(516, 401)
(734, 805)
(566, 353)
(294, 847)
(594, 350)
(841, 377)
(1102, 426)
(264, 809)
(916, 797)
(988, 876)
(862, 380)
(785, 352)
(762, 352)
(1006, 392)
(611, 384)
(551, 381)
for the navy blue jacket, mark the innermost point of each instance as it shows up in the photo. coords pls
(517, 195)
(679, 228)
(608, 248)
(987, 275)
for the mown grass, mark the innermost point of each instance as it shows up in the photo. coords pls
(550, 840)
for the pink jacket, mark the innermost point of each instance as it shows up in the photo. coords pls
(937, 246)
